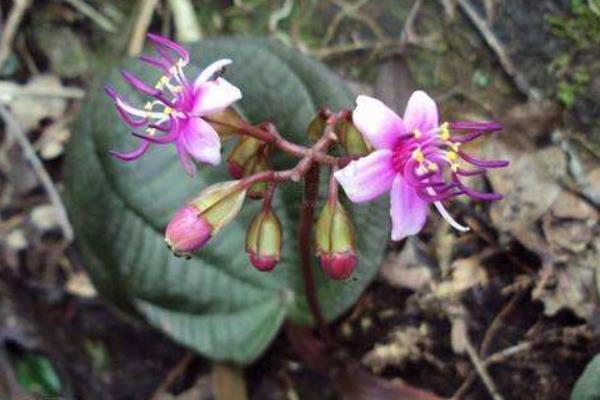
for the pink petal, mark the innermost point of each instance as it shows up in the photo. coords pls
(211, 70)
(367, 177)
(408, 210)
(184, 159)
(215, 96)
(421, 112)
(380, 125)
(201, 141)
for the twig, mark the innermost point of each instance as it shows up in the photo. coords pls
(481, 369)
(12, 128)
(495, 358)
(333, 51)
(172, 376)
(186, 24)
(146, 9)
(348, 10)
(101, 20)
(280, 14)
(10, 29)
(408, 31)
(497, 324)
(507, 353)
(494, 43)
(9, 90)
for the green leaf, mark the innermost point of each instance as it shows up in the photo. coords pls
(587, 386)
(36, 374)
(215, 303)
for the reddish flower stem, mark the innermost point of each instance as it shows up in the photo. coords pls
(311, 192)
(268, 133)
(333, 187)
(303, 166)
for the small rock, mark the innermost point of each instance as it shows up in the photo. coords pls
(16, 240)
(44, 217)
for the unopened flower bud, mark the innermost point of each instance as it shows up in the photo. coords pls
(226, 122)
(316, 127)
(193, 225)
(241, 154)
(334, 240)
(187, 232)
(351, 139)
(338, 265)
(255, 165)
(263, 241)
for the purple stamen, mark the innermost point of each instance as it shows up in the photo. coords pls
(162, 41)
(439, 196)
(478, 162)
(466, 138)
(475, 126)
(474, 193)
(134, 123)
(111, 92)
(155, 62)
(139, 85)
(419, 181)
(133, 155)
(468, 172)
(168, 138)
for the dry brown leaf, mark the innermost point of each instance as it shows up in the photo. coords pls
(530, 187)
(466, 273)
(409, 269)
(80, 285)
(29, 110)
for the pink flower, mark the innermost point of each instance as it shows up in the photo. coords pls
(187, 231)
(416, 159)
(177, 106)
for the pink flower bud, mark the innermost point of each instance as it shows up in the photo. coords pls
(235, 169)
(263, 263)
(187, 232)
(263, 241)
(338, 265)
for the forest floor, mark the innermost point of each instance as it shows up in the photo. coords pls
(506, 311)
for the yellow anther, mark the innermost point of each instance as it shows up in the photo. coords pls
(452, 156)
(151, 131)
(418, 155)
(444, 131)
(455, 146)
(432, 167)
(176, 89)
(164, 79)
(417, 133)
(454, 166)
(167, 110)
(148, 106)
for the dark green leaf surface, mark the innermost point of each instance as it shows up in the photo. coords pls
(215, 303)
(588, 384)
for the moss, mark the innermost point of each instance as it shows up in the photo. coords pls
(582, 26)
(581, 29)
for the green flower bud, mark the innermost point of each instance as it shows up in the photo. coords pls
(218, 204)
(351, 139)
(263, 241)
(334, 241)
(226, 122)
(255, 165)
(242, 153)
(317, 127)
